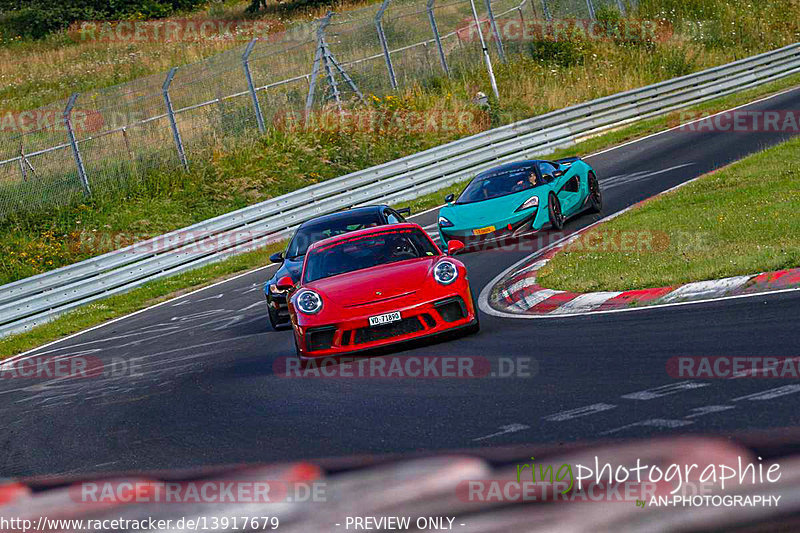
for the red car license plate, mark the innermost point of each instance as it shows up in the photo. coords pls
(387, 318)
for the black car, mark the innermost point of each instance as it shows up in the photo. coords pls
(310, 232)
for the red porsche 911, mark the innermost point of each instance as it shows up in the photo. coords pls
(375, 287)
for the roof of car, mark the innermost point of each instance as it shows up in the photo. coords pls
(338, 215)
(365, 231)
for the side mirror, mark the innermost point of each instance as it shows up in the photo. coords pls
(454, 246)
(285, 283)
(558, 173)
(449, 198)
(406, 211)
(277, 257)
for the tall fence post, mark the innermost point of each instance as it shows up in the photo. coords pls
(486, 57)
(250, 86)
(590, 7)
(171, 114)
(384, 45)
(312, 80)
(435, 30)
(76, 153)
(496, 33)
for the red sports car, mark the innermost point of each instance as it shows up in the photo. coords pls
(375, 287)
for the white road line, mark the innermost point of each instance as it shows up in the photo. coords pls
(666, 390)
(579, 412)
(653, 422)
(709, 409)
(510, 428)
(770, 394)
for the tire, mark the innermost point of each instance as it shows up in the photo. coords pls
(273, 317)
(274, 321)
(595, 195)
(554, 210)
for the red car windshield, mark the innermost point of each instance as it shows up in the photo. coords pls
(366, 251)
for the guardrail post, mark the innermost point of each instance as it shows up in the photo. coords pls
(590, 7)
(486, 57)
(496, 33)
(384, 45)
(435, 30)
(171, 114)
(312, 79)
(546, 9)
(76, 153)
(250, 86)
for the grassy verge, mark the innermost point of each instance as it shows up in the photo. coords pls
(161, 290)
(742, 219)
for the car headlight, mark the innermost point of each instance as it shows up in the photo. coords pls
(533, 201)
(308, 302)
(445, 272)
(444, 223)
(273, 289)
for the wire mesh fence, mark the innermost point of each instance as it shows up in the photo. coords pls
(105, 140)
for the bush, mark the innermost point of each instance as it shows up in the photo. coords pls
(36, 18)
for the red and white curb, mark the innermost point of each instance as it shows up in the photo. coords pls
(518, 293)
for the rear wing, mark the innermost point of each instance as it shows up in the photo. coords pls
(567, 161)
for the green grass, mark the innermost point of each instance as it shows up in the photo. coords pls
(742, 219)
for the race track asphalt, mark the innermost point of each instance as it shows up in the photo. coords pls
(196, 384)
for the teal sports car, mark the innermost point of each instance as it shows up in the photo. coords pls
(519, 198)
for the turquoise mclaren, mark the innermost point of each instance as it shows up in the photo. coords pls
(519, 198)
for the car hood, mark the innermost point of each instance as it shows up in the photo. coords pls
(485, 212)
(362, 286)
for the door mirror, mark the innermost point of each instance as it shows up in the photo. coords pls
(454, 246)
(405, 211)
(558, 173)
(277, 257)
(449, 198)
(285, 283)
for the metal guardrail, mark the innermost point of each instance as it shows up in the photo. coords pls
(35, 300)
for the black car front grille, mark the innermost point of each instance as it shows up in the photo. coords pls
(451, 309)
(320, 338)
(498, 234)
(387, 331)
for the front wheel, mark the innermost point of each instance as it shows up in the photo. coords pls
(595, 196)
(554, 209)
(273, 317)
